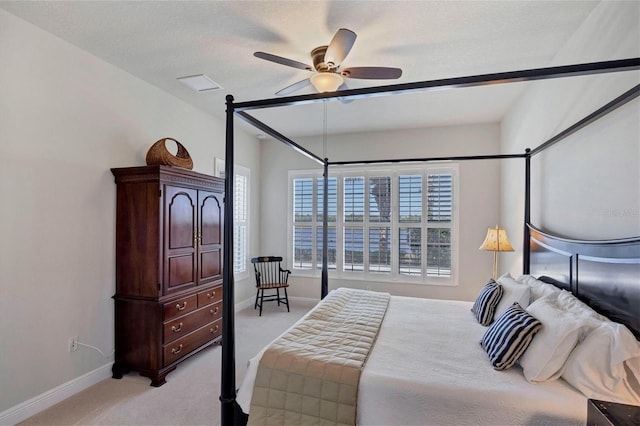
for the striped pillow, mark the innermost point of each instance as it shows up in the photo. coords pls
(486, 302)
(509, 336)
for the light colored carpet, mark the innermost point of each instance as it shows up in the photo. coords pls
(190, 396)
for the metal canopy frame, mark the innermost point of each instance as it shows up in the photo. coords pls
(230, 411)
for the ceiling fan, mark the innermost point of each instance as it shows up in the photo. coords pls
(328, 77)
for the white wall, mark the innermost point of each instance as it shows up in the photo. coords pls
(479, 197)
(66, 118)
(587, 186)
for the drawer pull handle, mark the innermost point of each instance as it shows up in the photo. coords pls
(213, 311)
(211, 295)
(176, 328)
(176, 351)
(181, 308)
(213, 330)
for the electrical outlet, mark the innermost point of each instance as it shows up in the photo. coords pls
(73, 344)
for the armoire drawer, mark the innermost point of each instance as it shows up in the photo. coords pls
(210, 296)
(184, 325)
(177, 349)
(180, 307)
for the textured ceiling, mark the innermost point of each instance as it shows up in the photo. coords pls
(158, 41)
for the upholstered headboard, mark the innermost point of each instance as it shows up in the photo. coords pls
(603, 274)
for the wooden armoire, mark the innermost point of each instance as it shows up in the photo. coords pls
(168, 301)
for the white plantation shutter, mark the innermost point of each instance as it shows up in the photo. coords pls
(380, 199)
(354, 213)
(395, 222)
(410, 198)
(380, 249)
(353, 249)
(303, 214)
(354, 199)
(240, 220)
(439, 217)
(302, 247)
(303, 200)
(379, 219)
(439, 252)
(332, 199)
(410, 254)
(439, 197)
(331, 261)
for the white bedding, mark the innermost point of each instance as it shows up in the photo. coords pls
(434, 371)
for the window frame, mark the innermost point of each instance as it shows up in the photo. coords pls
(368, 172)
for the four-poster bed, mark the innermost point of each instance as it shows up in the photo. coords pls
(608, 256)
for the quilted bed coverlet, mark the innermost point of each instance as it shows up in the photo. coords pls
(310, 375)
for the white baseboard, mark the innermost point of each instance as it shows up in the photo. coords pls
(53, 396)
(245, 303)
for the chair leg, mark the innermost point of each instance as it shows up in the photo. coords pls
(255, 305)
(278, 295)
(261, 300)
(286, 297)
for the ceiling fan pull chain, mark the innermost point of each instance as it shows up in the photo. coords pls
(324, 130)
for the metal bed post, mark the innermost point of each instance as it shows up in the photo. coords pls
(228, 374)
(526, 249)
(324, 287)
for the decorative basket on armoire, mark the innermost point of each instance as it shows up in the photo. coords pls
(159, 155)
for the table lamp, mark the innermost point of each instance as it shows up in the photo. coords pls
(495, 241)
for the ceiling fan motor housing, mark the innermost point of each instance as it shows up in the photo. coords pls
(317, 55)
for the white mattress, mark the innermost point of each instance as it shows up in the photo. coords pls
(428, 368)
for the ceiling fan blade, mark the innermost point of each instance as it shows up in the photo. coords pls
(282, 61)
(340, 46)
(294, 87)
(374, 73)
(344, 86)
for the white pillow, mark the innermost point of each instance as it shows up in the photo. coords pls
(538, 288)
(512, 291)
(570, 303)
(603, 365)
(545, 358)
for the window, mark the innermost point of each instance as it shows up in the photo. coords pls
(396, 223)
(241, 222)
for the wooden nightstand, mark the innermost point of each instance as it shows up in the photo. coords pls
(603, 413)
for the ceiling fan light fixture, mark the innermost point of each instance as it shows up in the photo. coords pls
(326, 81)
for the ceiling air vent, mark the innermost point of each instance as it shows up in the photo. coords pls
(200, 83)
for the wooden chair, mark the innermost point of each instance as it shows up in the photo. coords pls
(270, 276)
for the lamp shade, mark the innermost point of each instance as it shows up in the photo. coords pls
(326, 81)
(496, 240)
